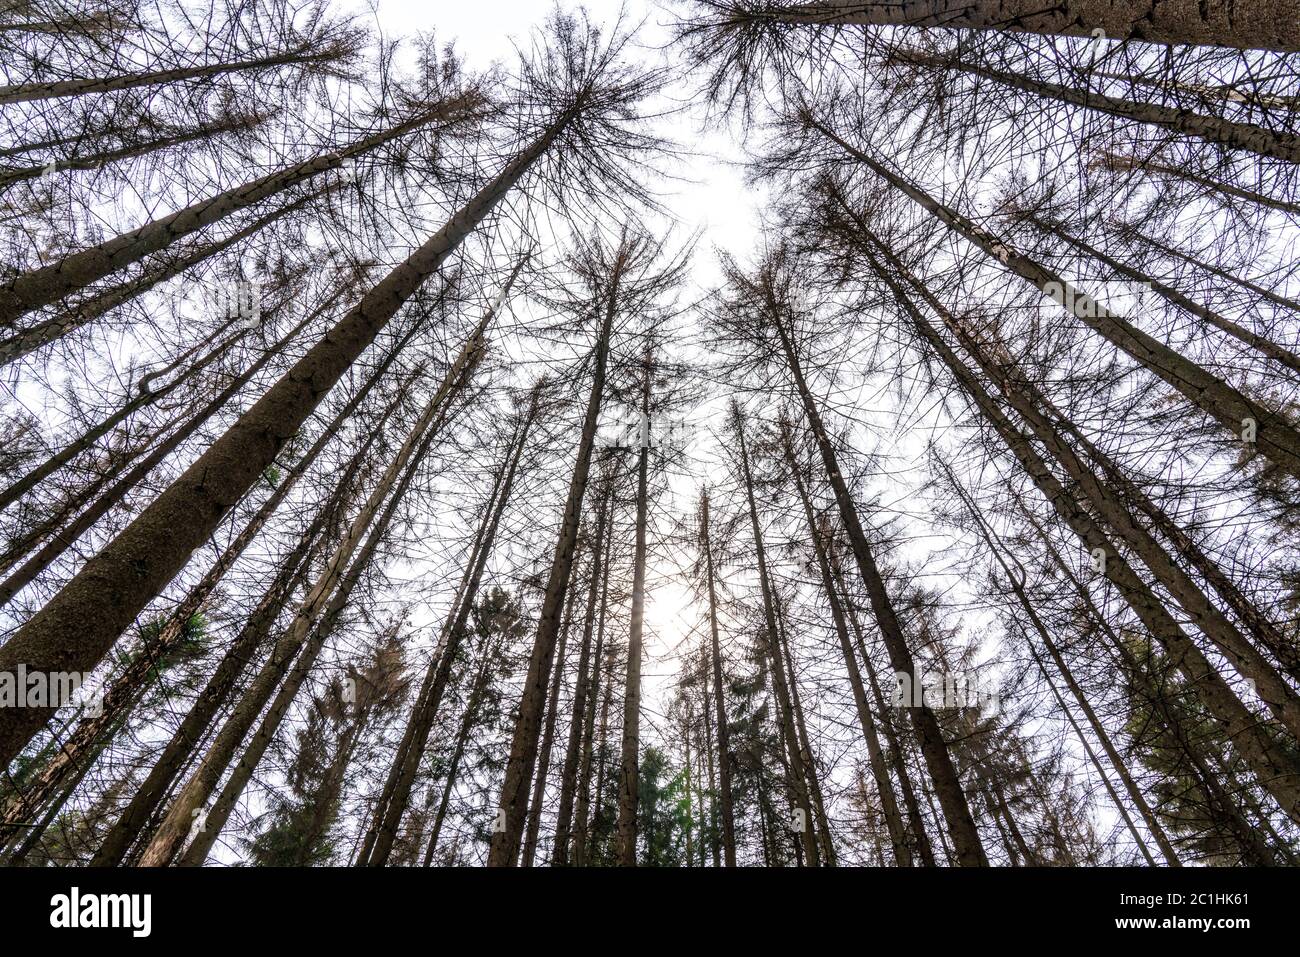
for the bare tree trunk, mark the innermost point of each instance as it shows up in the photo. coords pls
(523, 746)
(1221, 805)
(799, 773)
(1101, 773)
(64, 538)
(94, 160)
(48, 284)
(1257, 24)
(396, 793)
(875, 756)
(1245, 658)
(629, 774)
(310, 627)
(1114, 161)
(961, 825)
(1276, 437)
(1253, 288)
(27, 92)
(1267, 757)
(1213, 129)
(534, 827)
(719, 700)
(296, 564)
(716, 843)
(1273, 689)
(111, 590)
(1260, 344)
(588, 739)
(806, 755)
(895, 754)
(81, 314)
(467, 721)
(393, 799)
(1017, 582)
(581, 700)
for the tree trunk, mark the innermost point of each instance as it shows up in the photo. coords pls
(1220, 803)
(1114, 161)
(1253, 288)
(806, 756)
(799, 773)
(588, 739)
(961, 826)
(885, 790)
(894, 754)
(94, 160)
(1017, 580)
(1267, 757)
(1253, 25)
(467, 721)
(64, 538)
(1212, 129)
(296, 564)
(406, 761)
(27, 92)
(112, 588)
(83, 313)
(48, 284)
(719, 700)
(1276, 438)
(1260, 344)
(629, 774)
(311, 626)
(534, 827)
(1272, 688)
(581, 692)
(523, 746)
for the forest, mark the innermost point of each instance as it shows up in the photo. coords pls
(665, 433)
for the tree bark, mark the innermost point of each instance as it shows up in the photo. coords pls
(533, 830)
(1276, 439)
(48, 284)
(719, 700)
(396, 793)
(1115, 162)
(1213, 129)
(221, 684)
(111, 590)
(27, 92)
(956, 810)
(1272, 688)
(64, 538)
(81, 314)
(523, 747)
(629, 774)
(799, 773)
(588, 734)
(1267, 757)
(310, 627)
(1261, 344)
(582, 689)
(94, 160)
(875, 756)
(1016, 580)
(1254, 25)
